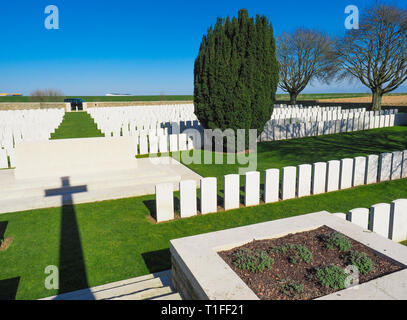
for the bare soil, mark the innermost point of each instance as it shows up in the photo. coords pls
(6, 243)
(399, 100)
(267, 284)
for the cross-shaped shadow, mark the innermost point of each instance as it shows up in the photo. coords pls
(72, 270)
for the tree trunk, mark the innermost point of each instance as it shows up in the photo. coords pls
(293, 98)
(377, 100)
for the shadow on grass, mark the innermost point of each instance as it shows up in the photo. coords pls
(8, 288)
(3, 227)
(157, 260)
(72, 270)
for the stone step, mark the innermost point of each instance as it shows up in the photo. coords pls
(145, 294)
(91, 186)
(24, 201)
(171, 296)
(151, 286)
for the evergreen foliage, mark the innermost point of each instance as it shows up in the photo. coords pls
(236, 74)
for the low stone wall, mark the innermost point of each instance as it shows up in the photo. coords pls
(183, 280)
(100, 104)
(30, 105)
(105, 104)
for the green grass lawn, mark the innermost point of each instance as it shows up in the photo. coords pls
(77, 125)
(101, 242)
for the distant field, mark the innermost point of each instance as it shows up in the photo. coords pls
(105, 98)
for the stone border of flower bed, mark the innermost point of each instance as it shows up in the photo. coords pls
(198, 272)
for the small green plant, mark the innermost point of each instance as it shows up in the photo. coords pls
(361, 261)
(291, 289)
(256, 261)
(303, 253)
(337, 240)
(331, 277)
(297, 252)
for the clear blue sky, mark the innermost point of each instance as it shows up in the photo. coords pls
(132, 46)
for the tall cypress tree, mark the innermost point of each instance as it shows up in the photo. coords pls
(236, 74)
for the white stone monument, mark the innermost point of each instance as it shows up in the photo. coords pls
(271, 185)
(319, 178)
(164, 201)
(398, 219)
(209, 196)
(359, 216)
(333, 172)
(359, 171)
(231, 191)
(380, 219)
(304, 180)
(252, 188)
(346, 173)
(187, 193)
(385, 166)
(372, 164)
(289, 182)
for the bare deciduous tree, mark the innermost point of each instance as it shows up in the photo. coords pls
(304, 55)
(376, 54)
(47, 95)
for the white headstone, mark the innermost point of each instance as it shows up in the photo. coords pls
(333, 172)
(232, 191)
(319, 178)
(252, 188)
(288, 183)
(182, 142)
(209, 196)
(304, 180)
(380, 219)
(173, 142)
(346, 173)
(271, 185)
(187, 194)
(398, 220)
(12, 155)
(359, 216)
(359, 171)
(153, 144)
(163, 143)
(143, 144)
(3, 159)
(404, 166)
(372, 164)
(385, 166)
(164, 202)
(340, 215)
(372, 122)
(397, 164)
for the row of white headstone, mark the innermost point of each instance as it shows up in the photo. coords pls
(113, 120)
(273, 131)
(301, 181)
(157, 129)
(28, 125)
(163, 143)
(388, 220)
(330, 115)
